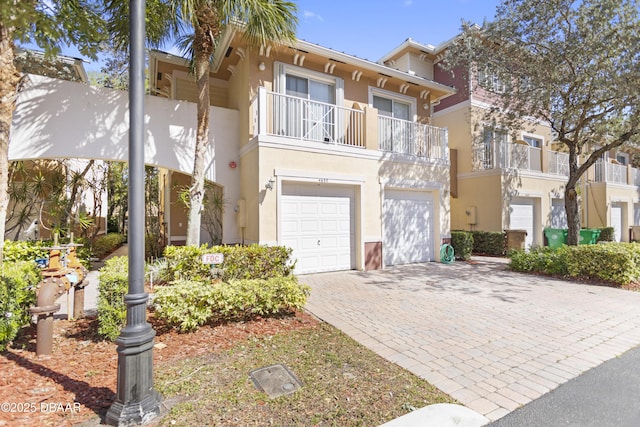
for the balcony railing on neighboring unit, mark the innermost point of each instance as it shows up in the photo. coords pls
(507, 155)
(300, 118)
(558, 163)
(610, 172)
(416, 139)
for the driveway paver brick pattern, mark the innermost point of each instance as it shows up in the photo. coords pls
(491, 338)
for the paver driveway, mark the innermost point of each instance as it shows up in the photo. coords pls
(491, 338)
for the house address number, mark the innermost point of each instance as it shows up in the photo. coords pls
(212, 258)
(323, 179)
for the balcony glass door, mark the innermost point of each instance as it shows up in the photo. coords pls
(311, 109)
(395, 130)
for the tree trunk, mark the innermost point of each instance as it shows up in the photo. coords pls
(571, 199)
(9, 80)
(196, 192)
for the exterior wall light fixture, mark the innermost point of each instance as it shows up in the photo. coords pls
(269, 184)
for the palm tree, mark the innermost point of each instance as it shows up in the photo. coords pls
(262, 22)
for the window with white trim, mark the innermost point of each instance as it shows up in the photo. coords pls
(490, 79)
(532, 141)
(490, 154)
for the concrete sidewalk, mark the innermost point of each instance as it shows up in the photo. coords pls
(492, 339)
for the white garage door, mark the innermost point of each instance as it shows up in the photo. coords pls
(521, 218)
(616, 221)
(408, 227)
(317, 222)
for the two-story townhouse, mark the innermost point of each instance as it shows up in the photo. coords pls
(336, 155)
(512, 179)
(325, 152)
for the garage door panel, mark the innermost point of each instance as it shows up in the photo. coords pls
(323, 236)
(521, 217)
(408, 227)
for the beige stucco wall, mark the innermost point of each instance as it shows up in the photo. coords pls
(598, 197)
(366, 173)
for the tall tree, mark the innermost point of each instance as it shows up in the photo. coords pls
(263, 22)
(572, 64)
(49, 24)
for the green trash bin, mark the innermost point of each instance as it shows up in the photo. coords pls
(556, 237)
(589, 236)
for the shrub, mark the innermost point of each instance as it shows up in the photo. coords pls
(607, 234)
(188, 304)
(541, 260)
(240, 262)
(462, 242)
(112, 311)
(613, 262)
(489, 243)
(105, 244)
(17, 294)
(22, 250)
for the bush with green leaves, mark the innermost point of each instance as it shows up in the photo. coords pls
(17, 294)
(617, 263)
(188, 304)
(488, 243)
(112, 311)
(613, 262)
(105, 244)
(240, 262)
(607, 234)
(24, 250)
(462, 242)
(541, 259)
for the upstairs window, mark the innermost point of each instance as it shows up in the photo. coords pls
(490, 79)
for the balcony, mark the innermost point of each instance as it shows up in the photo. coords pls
(613, 173)
(558, 163)
(415, 139)
(311, 121)
(507, 155)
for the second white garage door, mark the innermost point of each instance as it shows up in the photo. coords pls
(521, 218)
(317, 222)
(408, 227)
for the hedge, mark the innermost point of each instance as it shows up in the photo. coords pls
(462, 242)
(488, 242)
(618, 263)
(17, 294)
(188, 304)
(240, 262)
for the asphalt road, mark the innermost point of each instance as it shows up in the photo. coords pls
(607, 395)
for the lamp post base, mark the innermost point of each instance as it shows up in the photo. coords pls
(136, 401)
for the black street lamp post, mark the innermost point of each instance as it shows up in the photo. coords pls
(136, 400)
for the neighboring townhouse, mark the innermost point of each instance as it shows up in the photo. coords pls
(612, 194)
(498, 183)
(336, 155)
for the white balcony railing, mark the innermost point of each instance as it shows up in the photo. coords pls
(303, 119)
(635, 177)
(504, 155)
(558, 163)
(416, 139)
(610, 172)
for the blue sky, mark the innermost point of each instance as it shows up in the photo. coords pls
(370, 29)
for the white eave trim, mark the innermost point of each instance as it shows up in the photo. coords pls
(373, 66)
